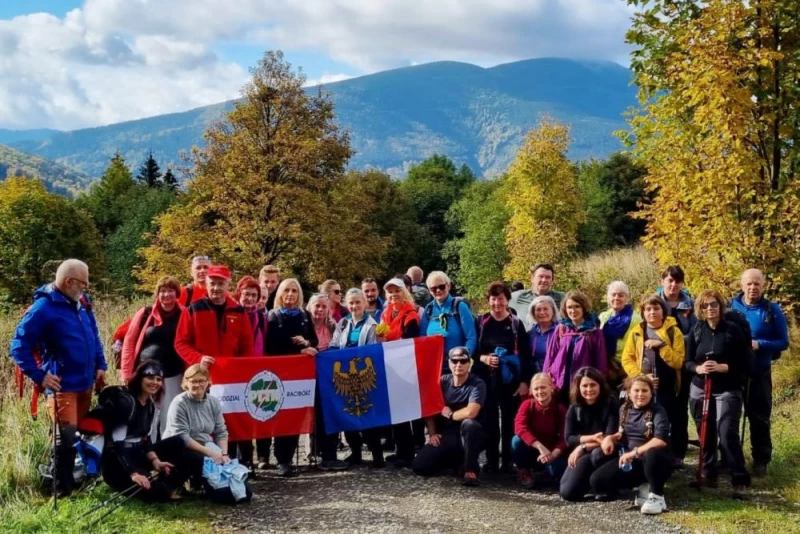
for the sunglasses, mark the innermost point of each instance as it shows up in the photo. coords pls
(336, 291)
(440, 287)
(713, 305)
(456, 361)
(200, 258)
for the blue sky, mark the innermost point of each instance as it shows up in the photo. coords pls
(70, 64)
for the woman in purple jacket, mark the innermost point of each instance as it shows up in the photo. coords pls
(577, 342)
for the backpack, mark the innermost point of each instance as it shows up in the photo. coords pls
(421, 295)
(189, 288)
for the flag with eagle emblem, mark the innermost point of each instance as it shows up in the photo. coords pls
(380, 385)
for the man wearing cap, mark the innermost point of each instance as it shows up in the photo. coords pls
(61, 326)
(197, 289)
(543, 278)
(455, 437)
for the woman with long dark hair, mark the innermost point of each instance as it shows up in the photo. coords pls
(593, 414)
(131, 456)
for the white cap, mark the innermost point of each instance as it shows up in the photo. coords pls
(397, 282)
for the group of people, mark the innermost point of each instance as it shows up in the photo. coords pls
(589, 404)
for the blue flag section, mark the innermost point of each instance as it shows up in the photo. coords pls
(353, 388)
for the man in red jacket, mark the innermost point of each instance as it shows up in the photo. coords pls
(197, 289)
(215, 326)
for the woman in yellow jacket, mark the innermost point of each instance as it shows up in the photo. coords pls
(655, 348)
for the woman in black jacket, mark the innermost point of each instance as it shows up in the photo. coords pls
(290, 330)
(130, 457)
(717, 353)
(592, 415)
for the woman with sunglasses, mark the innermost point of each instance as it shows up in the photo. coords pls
(716, 354)
(448, 316)
(593, 414)
(333, 290)
(131, 456)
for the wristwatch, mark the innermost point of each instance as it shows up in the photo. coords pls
(584, 447)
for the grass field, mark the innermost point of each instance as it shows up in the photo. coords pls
(773, 505)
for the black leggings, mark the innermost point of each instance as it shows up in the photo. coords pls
(172, 450)
(655, 467)
(498, 421)
(575, 480)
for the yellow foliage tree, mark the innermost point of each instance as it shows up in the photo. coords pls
(718, 130)
(543, 201)
(265, 190)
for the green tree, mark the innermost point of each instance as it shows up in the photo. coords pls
(150, 172)
(170, 180)
(432, 186)
(39, 227)
(105, 201)
(262, 188)
(611, 191)
(542, 197)
(477, 255)
(141, 207)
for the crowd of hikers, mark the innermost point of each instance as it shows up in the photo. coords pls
(589, 405)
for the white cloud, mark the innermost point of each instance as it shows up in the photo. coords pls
(327, 78)
(114, 60)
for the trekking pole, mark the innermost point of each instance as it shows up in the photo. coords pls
(744, 412)
(56, 444)
(132, 491)
(703, 429)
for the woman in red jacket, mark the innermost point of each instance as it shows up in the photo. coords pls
(151, 336)
(538, 445)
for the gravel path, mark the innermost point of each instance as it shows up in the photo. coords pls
(395, 500)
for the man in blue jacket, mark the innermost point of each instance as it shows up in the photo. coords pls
(770, 337)
(61, 326)
(448, 316)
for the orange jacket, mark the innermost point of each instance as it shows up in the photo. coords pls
(200, 333)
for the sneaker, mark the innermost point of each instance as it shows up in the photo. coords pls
(333, 465)
(759, 470)
(377, 462)
(284, 470)
(739, 492)
(641, 494)
(677, 464)
(263, 463)
(525, 478)
(470, 479)
(489, 468)
(654, 505)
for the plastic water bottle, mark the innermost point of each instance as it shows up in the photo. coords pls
(626, 466)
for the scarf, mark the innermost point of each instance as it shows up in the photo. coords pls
(615, 328)
(397, 324)
(294, 312)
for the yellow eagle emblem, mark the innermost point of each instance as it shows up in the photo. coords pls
(355, 385)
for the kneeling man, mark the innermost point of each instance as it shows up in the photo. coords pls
(455, 438)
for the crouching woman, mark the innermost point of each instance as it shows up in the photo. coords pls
(642, 443)
(131, 457)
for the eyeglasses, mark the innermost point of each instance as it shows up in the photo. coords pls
(456, 361)
(440, 287)
(84, 283)
(713, 305)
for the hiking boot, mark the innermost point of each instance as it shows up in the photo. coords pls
(489, 468)
(739, 492)
(377, 462)
(470, 479)
(284, 470)
(354, 459)
(606, 497)
(333, 465)
(759, 470)
(677, 464)
(654, 505)
(525, 478)
(641, 494)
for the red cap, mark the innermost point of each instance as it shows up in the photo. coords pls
(219, 271)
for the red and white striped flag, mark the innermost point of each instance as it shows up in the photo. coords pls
(265, 397)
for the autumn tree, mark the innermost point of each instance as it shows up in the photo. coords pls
(477, 254)
(264, 188)
(39, 228)
(718, 131)
(543, 201)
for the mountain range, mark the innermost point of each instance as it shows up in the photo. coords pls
(56, 177)
(477, 116)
